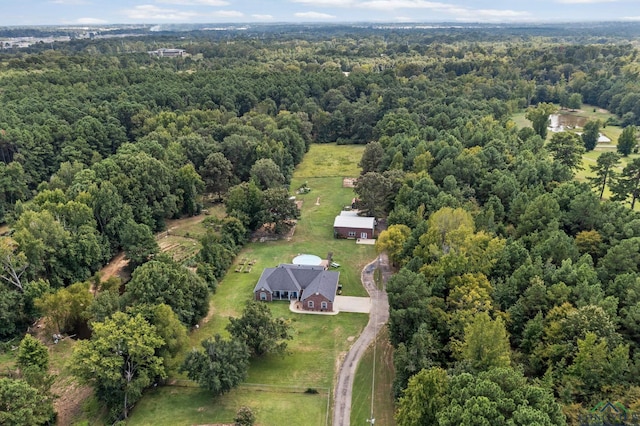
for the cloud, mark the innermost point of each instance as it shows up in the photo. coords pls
(226, 14)
(149, 12)
(90, 21)
(326, 3)
(404, 4)
(631, 18)
(313, 15)
(262, 17)
(152, 13)
(496, 13)
(195, 2)
(69, 2)
(585, 1)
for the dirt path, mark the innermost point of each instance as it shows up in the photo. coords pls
(377, 318)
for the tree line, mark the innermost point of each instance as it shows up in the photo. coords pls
(100, 145)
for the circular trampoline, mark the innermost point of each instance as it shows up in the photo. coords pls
(307, 259)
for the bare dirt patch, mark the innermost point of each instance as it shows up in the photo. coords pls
(71, 397)
(349, 182)
(115, 268)
(266, 233)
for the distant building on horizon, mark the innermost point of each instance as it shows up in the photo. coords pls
(168, 53)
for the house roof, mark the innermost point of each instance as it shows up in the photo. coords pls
(306, 278)
(359, 222)
(326, 284)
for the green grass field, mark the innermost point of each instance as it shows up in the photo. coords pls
(383, 407)
(175, 406)
(275, 384)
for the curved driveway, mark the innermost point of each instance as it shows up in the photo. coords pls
(377, 318)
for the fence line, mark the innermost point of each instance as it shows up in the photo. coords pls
(254, 386)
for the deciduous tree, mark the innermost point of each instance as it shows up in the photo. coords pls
(164, 281)
(222, 366)
(539, 117)
(392, 241)
(424, 397)
(486, 344)
(119, 360)
(262, 333)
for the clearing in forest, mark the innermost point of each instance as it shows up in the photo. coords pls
(275, 389)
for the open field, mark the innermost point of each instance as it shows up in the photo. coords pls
(383, 407)
(330, 160)
(318, 341)
(175, 406)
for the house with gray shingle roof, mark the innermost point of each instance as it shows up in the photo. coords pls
(313, 286)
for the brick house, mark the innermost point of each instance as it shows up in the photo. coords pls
(349, 225)
(313, 286)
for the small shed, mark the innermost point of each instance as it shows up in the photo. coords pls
(349, 225)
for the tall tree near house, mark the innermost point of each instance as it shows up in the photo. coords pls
(604, 170)
(222, 366)
(628, 183)
(261, 332)
(627, 141)
(278, 208)
(119, 360)
(539, 117)
(371, 157)
(373, 191)
(392, 241)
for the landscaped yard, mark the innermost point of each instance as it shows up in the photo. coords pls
(318, 341)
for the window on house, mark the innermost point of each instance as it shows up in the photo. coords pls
(352, 233)
(263, 295)
(310, 303)
(324, 305)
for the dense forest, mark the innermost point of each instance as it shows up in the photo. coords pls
(517, 294)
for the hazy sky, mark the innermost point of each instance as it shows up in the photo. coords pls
(42, 12)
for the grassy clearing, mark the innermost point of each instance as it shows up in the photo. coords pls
(588, 111)
(187, 406)
(330, 160)
(318, 341)
(383, 407)
(7, 362)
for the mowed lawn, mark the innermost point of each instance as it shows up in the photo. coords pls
(364, 381)
(275, 386)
